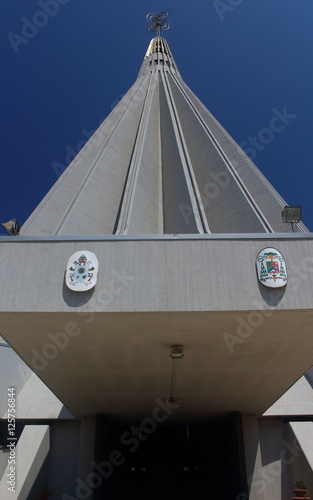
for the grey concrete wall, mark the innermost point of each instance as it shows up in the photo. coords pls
(301, 435)
(207, 274)
(14, 373)
(60, 471)
(253, 456)
(33, 398)
(274, 478)
(298, 400)
(278, 455)
(30, 454)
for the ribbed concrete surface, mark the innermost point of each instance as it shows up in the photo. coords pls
(160, 163)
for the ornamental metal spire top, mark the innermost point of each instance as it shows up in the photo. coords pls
(158, 22)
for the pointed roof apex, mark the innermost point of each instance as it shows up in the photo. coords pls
(158, 22)
(158, 58)
(158, 44)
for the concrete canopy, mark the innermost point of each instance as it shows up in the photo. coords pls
(119, 365)
(107, 351)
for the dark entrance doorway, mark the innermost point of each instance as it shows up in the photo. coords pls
(185, 460)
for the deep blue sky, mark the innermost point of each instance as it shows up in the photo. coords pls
(242, 61)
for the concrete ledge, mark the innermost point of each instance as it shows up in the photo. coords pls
(203, 274)
(160, 237)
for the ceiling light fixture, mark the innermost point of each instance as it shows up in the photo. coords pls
(177, 351)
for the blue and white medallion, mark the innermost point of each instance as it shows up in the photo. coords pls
(81, 271)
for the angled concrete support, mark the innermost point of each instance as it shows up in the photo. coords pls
(30, 454)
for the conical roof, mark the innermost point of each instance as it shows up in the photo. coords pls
(159, 164)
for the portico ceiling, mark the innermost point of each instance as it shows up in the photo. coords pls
(119, 364)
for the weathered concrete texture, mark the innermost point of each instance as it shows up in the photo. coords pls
(272, 479)
(277, 455)
(33, 398)
(300, 434)
(207, 274)
(298, 400)
(30, 454)
(160, 163)
(303, 431)
(36, 401)
(14, 373)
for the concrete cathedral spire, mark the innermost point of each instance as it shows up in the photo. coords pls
(159, 164)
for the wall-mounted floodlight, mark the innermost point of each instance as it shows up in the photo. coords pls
(177, 351)
(291, 214)
(12, 227)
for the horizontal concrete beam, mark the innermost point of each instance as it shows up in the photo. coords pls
(207, 274)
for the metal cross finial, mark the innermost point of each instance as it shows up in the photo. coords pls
(158, 22)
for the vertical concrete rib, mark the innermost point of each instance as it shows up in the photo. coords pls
(181, 204)
(241, 192)
(139, 212)
(195, 198)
